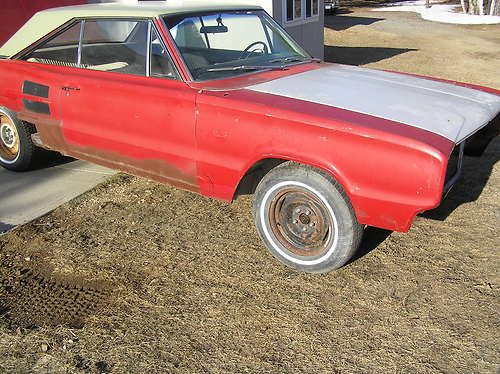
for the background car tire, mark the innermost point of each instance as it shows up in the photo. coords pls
(12, 157)
(305, 218)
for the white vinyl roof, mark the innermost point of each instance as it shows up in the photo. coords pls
(48, 20)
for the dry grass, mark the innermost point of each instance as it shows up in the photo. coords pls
(196, 292)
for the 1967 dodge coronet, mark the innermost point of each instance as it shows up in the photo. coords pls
(219, 100)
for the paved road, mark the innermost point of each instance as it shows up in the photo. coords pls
(29, 195)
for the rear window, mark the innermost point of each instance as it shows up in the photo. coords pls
(61, 50)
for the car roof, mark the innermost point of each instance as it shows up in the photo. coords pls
(48, 20)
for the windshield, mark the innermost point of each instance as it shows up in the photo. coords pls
(222, 45)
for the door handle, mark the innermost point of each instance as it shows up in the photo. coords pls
(68, 88)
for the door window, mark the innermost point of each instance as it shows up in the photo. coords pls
(119, 46)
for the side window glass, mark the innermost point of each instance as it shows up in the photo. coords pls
(61, 50)
(161, 63)
(118, 46)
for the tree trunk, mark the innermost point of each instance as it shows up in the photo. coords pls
(473, 7)
(465, 5)
(481, 7)
(494, 8)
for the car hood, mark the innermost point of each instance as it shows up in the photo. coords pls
(449, 110)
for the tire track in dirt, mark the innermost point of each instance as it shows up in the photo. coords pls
(31, 298)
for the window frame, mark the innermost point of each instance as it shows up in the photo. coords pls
(313, 15)
(63, 28)
(303, 17)
(155, 29)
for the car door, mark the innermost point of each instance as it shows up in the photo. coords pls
(126, 107)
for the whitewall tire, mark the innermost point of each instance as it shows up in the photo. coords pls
(305, 218)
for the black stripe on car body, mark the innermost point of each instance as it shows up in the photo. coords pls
(35, 89)
(36, 106)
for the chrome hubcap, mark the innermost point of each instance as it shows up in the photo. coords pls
(8, 135)
(9, 140)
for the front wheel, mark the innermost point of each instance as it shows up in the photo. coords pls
(305, 218)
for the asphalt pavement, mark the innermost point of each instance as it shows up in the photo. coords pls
(29, 195)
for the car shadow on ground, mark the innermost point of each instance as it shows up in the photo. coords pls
(46, 160)
(361, 55)
(341, 11)
(342, 22)
(372, 238)
(475, 175)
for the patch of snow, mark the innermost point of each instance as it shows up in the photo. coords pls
(444, 13)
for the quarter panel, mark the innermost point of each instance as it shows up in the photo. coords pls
(35, 106)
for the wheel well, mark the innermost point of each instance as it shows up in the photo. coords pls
(249, 182)
(254, 175)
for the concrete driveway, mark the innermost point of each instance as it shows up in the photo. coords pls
(29, 195)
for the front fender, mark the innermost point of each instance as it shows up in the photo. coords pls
(388, 176)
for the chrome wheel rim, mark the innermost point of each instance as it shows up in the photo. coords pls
(9, 140)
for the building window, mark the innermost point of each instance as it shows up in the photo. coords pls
(294, 10)
(299, 10)
(312, 7)
(315, 6)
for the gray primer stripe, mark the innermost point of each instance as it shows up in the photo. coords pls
(451, 111)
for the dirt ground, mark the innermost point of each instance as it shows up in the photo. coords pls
(136, 277)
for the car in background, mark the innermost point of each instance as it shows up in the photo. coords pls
(219, 100)
(331, 6)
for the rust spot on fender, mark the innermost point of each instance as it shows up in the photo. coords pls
(53, 139)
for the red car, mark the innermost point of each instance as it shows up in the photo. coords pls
(217, 99)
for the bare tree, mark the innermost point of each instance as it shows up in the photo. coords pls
(465, 6)
(481, 7)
